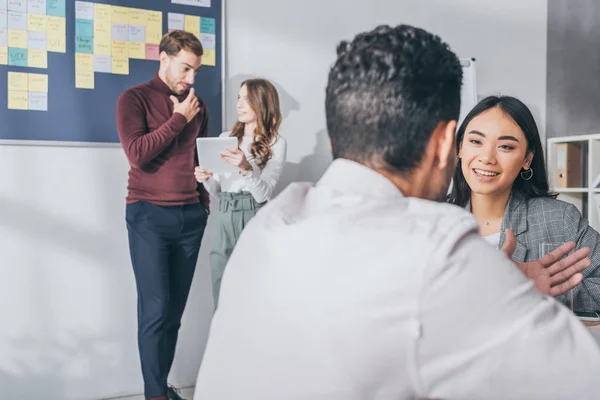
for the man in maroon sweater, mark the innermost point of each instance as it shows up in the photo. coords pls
(158, 123)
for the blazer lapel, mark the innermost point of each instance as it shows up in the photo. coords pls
(515, 219)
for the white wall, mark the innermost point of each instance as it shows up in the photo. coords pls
(67, 290)
(293, 44)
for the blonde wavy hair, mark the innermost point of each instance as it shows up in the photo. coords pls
(264, 102)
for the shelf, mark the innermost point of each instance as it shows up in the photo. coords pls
(572, 190)
(568, 139)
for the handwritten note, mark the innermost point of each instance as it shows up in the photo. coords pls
(137, 50)
(152, 51)
(37, 101)
(84, 71)
(154, 27)
(209, 58)
(3, 55)
(17, 20)
(84, 44)
(37, 58)
(56, 34)
(102, 37)
(119, 15)
(102, 12)
(18, 81)
(137, 17)
(137, 33)
(208, 41)
(207, 25)
(84, 27)
(36, 7)
(38, 83)
(119, 49)
(36, 23)
(17, 5)
(17, 100)
(120, 32)
(36, 40)
(192, 24)
(55, 8)
(120, 66)
(17, 39)
(102, 63)
(84, 10)
(176, 21)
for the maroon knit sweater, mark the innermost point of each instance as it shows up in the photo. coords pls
(160, 145)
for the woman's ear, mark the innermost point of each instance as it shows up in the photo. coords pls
(528, 160)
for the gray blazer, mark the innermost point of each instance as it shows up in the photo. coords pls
(547, 220)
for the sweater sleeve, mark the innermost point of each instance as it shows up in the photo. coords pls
(141, 146)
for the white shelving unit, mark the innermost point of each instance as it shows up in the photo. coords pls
(586, 199)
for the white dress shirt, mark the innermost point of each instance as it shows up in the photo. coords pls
(260, 183)
(348, 291)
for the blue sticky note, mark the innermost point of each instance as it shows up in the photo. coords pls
(17, 57)
(84, 27)
(207, 25)
(84, 44)
(55, 8)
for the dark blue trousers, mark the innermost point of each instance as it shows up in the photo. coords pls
(164, 244)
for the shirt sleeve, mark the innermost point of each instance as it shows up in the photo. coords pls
(141, 146)
(262, 183)
(488, 333)
(586, 295)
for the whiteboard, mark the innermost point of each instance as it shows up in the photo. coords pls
(468, 92)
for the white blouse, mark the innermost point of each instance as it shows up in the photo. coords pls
(260, 183)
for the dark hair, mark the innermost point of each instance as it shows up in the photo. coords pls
(537, 186)
(386, 93)
(175, 41)
(263, 99)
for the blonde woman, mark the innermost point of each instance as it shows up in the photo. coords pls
(260, 157)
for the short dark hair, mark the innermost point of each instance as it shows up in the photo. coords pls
(515, 109)
(386, 93)
(175, 41)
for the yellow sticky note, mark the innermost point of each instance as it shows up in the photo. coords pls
(137, 17)
(57, 37)
(102, 13)
(38, 83)
(18, 100)
(119, 49)
(209, 57)
(154, 27)
(137, 50)
(3, 55)
(37, 58)
(56, 25)
(84, 62)
(17, 38)
(36, 23)
(191, 23)
(119, 15)
(102, 38)
(84, 71)
(120, 66)
(84, 79)
(18, 81)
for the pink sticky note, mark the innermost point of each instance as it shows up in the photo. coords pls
(151, 51)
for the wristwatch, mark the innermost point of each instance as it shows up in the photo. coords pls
(247, 173)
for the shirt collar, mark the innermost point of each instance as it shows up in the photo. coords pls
(351, 177)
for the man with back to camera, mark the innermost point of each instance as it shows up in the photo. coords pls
(158, 123)
(365, 286)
